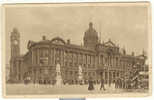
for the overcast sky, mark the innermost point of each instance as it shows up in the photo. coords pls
(124, 25)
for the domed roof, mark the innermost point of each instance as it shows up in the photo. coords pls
(91, 32)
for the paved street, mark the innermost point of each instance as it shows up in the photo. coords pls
(64, 89)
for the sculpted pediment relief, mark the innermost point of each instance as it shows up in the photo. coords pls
(58, 40)
(110, 43)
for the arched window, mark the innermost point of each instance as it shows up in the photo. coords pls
(44, 56)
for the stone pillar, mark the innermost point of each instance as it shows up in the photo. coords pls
(61, 63)
(111, 76)
(32, 57)
(49, 56)
(98, 59)
(77, 58)
(38, 56)
(72, 57)
(112, 61)
(63, 57)
(85, 59)
(95, 65)
(37, 75)
(54, 56)
(33, 75)
(108, 76)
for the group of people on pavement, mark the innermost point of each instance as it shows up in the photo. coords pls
(91, 85)
(121, 83)
(118, 83)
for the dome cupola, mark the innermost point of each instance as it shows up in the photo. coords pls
(90, 37)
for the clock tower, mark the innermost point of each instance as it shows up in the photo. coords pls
(15, 52)
(15, 43)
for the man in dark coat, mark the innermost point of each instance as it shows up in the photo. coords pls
(116, 83)
(91, 85)
(102, 84)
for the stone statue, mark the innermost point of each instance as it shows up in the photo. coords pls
(80, 74)
(58, 75)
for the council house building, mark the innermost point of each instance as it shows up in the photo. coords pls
(92, 60)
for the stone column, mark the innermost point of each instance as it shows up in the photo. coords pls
(98, 59)
(38, 56)
(111, 76)
(32, 57)
(37, 75)
(63, 57)
(72, 57)
(77, 58)
(61, 63)
(108, 76)
(85, 60)
(102, 60)
(112, 61)
(53, 55)
(95, 61)
(33, 75)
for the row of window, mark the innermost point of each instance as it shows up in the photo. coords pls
(42, 57)
(70, 59)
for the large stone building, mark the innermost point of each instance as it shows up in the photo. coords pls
(97, 60)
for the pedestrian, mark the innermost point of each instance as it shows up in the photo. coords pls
(102, 84)
(116, 83)
(91, 84)
(123, 83)
(120, 83)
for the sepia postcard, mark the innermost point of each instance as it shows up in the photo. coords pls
(77, 50)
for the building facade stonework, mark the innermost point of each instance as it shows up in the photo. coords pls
(97, 60)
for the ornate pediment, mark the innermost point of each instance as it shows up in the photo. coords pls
(58, 40)
(110, 44)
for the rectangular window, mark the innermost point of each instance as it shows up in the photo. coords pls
(44, 56)
(113, 74)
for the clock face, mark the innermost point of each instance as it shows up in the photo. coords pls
(15, 42)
